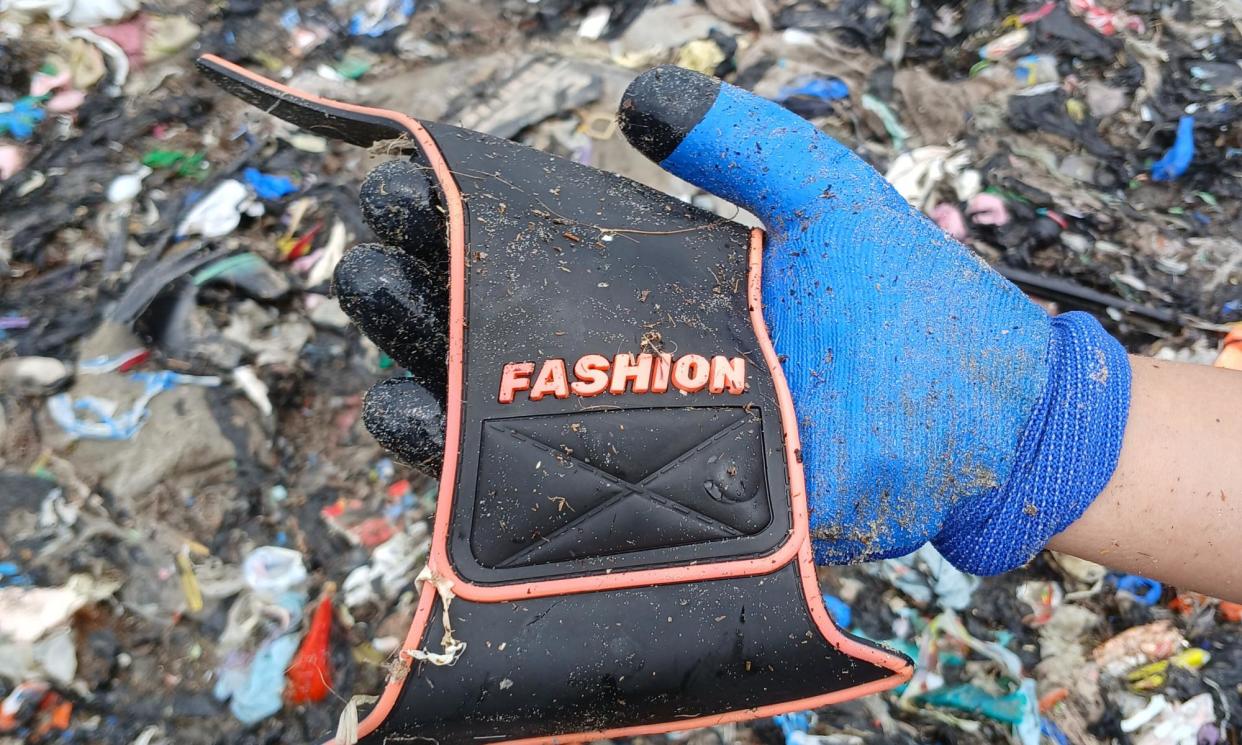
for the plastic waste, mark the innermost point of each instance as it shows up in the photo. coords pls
(1005, 45)
(1144, 590)
(247, 380)
(268, 186)
(94, 418)
(1009, 708)
(795, 726)
(194, 165)
(27, 613)
(127, 187)
(309, 677)
(1036, 69)
(378, 17)
(1155, 675)
(260, 694)
(1043, 597)
(839, 610)
(825, 89)
(78, 12)
(32, 375)
(18, 119)
(219, 212)
(11, 575)
(271, 571)
(1162, 721)
(247, 272)
(1137, 646)
(702, 55)
(925, 574)
(1178, 157)
(1106, 20)
(394, 565)
(20, 705)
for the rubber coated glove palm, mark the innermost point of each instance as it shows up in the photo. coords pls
(935, 401)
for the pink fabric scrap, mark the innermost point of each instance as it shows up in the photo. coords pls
(987, 209)
(42, 83)
(950, 220)
(12, 160)
(129, 36)
(1106, 21)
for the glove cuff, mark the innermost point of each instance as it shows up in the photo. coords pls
(1066, 454)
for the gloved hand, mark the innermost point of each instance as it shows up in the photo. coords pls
(397, 293)
(935, 401)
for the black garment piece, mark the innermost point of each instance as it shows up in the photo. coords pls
(1065, 35)
(1046, 112)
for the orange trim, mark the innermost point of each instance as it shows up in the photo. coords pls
(797, 546)
(1231, 351)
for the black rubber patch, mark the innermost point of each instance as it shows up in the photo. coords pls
(565, 261)
(631, 482)
(662, 105)
(638, 656)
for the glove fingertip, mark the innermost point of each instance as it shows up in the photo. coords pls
(662, 105)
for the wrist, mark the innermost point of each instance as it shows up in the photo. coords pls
(1066, 454)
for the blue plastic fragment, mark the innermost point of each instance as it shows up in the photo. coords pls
(1050, 730)
(794, 725)
(380, 18)
(268, 186)
(11, 575)
(839, 610)
(1178, 158)
(1146, 591)
(18, 119)
(825, 89)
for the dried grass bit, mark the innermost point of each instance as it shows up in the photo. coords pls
(347, 725)
(452, 648)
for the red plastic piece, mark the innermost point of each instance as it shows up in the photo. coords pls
(310, 674)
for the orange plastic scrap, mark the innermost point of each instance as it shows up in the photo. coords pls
(21, 704)
(1187, 603)
(1230, 356)
(1231, 612)
(1052, 698)
(54, 715)
(310, 674)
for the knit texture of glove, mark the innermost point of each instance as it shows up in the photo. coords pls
(935, 401)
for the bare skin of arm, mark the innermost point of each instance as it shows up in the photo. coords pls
(1173, 509)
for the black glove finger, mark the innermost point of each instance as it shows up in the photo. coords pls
(408, 420)
(400, 204)
(402, 305)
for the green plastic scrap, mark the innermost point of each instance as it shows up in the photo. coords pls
(353, 67)
(186, 163)
(226, 267)
(891, 124)
(974, 700)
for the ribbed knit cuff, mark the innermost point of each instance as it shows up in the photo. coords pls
(1065, 457)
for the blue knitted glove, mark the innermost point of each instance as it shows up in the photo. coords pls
(935, 401)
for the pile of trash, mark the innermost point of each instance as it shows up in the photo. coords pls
(201, 543)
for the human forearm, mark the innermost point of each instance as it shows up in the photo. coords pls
(1173, 508)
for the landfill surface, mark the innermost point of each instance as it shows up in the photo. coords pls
(199, 541)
